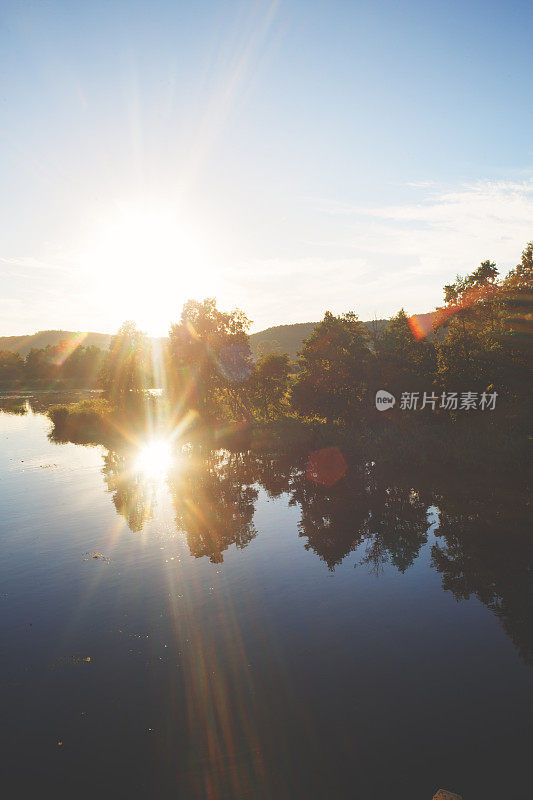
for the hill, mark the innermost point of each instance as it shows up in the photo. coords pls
(280, 338)
(289, 338)
(23, 344)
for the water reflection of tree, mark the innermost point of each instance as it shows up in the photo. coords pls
(133, 496)
(275, 473)
(398, 525)
(485, 549)
(333, 519)
(358, 508)
(214, 501)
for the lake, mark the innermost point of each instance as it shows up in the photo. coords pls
(199, 624)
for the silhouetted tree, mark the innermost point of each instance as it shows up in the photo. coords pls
(209, 360)
(83, 366)
(518, 291)
(41, 366)
(126, 369)
(333, 369)
(479, 349)
(403, 362)
(11, 366)
(64, 365)
(268, 383)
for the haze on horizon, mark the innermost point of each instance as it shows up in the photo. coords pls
(285, 157)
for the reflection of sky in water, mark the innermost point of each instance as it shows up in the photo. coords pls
(234, 649)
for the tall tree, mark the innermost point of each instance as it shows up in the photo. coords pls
(268, 383)
(42, 365)
(83, 366)
(473, 323)
(11, 366)
(404, 363)
(518, 293)
(333, 369)
(486, 345)
(209, 359)
(126, 370)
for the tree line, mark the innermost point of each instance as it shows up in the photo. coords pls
(479, 341)
(61, 365)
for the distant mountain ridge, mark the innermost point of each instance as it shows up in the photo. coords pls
(289, 338)
(279, 338)
(23, 344)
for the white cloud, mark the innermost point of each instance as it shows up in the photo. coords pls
(377, 259)
(29, 263)
(370, 259)
(451, 231)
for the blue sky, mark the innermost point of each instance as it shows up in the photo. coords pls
(286, 157)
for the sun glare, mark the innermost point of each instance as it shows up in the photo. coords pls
(151, 257)
(154, 459)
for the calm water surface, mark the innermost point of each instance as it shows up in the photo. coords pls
(246, 632)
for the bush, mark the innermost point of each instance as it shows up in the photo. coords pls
(58, 415)
(86, 421)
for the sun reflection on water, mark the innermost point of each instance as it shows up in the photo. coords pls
(154, 459)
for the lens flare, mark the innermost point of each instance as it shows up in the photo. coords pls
(154, 459)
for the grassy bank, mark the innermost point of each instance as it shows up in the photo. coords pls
(466, 446)
(90, 421)
(13, 405)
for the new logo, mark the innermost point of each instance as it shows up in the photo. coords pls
(384, 400)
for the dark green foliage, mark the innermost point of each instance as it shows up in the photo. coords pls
(267, 385)
(65, 365)
(518, 297)
(11, 367)
(333, 369)
(403, 362)
(481, 348)
(13, 405)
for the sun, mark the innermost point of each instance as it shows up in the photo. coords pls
(144, 259)
(154, 459)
